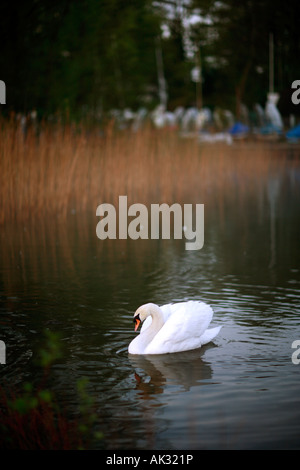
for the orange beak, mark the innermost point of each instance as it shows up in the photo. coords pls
(137, 324)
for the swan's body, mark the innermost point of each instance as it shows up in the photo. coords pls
(172, 328)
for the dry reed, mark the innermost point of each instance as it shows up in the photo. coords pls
(63, 169)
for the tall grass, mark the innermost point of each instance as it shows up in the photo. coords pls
(63, 169)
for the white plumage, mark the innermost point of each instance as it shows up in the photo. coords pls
(172, 328)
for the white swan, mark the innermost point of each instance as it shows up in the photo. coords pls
(172, 327)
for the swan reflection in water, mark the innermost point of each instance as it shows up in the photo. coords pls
(185, 369)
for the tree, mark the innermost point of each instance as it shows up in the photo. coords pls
(76, 56)
(237, 37)
(88, 56)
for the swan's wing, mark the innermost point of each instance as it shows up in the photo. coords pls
(209, 335)
(183, 328)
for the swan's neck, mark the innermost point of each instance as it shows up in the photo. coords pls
(157, 317)
(157, 322)
(141, 341)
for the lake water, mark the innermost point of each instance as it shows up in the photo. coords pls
(240, 392)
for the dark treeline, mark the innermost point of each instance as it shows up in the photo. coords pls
(85, 57)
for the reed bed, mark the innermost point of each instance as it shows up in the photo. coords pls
(66, 169)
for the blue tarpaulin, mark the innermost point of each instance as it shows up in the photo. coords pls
(270, 129)
(294, 133)
(238, 129)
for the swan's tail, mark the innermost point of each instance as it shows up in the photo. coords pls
(209, 335)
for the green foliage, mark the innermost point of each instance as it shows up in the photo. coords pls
(236, 42)
(32, 419)
(88, 416)
(83, 58)
(51, 350)
(77, 56)
(26, 402)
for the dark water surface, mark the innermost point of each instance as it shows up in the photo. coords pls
(240, 392)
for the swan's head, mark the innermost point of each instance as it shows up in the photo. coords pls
(142, 313)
